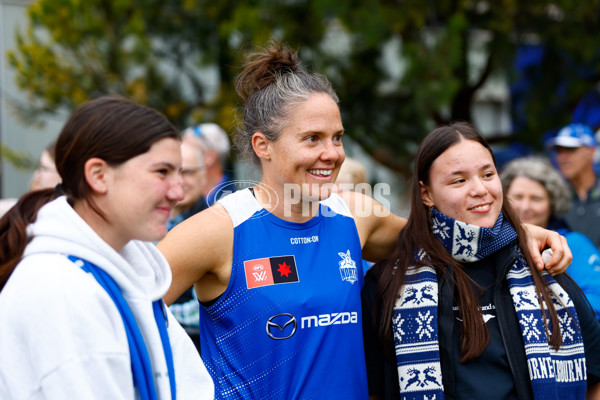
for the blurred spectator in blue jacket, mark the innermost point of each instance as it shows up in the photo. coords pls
(540, 196)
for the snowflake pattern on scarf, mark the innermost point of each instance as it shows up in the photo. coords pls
(415, 318)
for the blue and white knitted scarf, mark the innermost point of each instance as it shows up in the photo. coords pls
(554, 374)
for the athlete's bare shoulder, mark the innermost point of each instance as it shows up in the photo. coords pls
(199, 246)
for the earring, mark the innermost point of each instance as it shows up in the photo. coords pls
(430, 209)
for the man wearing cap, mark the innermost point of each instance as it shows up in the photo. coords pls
(213, 141)
(575, 146)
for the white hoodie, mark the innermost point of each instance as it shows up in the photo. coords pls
(62, 337)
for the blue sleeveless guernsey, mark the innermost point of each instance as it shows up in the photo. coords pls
(289, 324)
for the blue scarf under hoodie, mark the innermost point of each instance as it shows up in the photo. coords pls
(416, 329)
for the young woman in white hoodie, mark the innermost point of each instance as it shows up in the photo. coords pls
(81, 283)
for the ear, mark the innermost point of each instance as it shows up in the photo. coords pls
(95, 170)
(425, 195)
(261, 146)
(210, 157)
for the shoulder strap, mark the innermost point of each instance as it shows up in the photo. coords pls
(141, 367)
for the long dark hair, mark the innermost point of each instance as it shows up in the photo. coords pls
(475, 335)
(113, 129)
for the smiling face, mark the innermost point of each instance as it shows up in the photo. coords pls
(464, 185)
(141, 193)
(308, 152)
(530, 200)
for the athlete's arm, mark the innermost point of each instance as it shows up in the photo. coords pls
(199, 251)
(378, 229)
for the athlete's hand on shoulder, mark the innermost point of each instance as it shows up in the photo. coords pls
(538, 239)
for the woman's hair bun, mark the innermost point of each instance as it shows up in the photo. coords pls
(263, 66)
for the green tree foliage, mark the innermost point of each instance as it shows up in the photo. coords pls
(400, 66)
(75, 50)
(441, 80)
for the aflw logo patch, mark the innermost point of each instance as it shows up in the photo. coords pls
(270, 271)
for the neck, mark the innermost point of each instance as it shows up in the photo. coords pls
(101, 226)
(468, 243)
(583, 182)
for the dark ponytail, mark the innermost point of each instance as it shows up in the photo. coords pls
(111, 128)
(13, 229)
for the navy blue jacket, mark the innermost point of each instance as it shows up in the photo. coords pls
(511, 381)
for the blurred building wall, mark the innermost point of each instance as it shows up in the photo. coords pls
(14, 133)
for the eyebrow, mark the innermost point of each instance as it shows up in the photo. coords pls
(483, 167)
(163, 164)
(319, 132)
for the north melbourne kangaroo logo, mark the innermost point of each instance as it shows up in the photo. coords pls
(348, 268)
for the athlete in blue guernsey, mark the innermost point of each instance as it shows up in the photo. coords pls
(293, 302)
(278, 269)
(278, 278)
